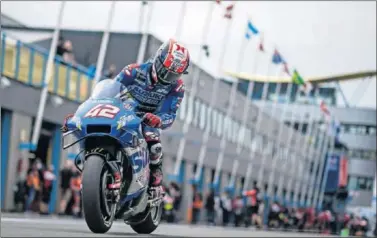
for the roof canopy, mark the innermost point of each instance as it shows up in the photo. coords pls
(272, 79)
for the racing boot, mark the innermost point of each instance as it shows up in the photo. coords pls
(156, 191)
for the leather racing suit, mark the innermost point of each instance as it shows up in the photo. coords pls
(154, 97)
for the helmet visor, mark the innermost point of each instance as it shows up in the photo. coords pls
(163, 74)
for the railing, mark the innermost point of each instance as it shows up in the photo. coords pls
(26, 63)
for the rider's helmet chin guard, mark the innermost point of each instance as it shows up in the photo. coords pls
(170, 62)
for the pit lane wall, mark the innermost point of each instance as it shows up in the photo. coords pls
(23, 65)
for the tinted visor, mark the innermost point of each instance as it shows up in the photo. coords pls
(163, 73)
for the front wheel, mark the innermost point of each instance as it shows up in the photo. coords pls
(151, 222)
(98, 209)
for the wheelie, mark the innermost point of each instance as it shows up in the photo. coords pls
(118, 130)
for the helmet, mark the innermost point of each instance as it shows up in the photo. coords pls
(170, 62)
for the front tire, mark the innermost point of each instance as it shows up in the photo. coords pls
(92, 195)
(151, 222)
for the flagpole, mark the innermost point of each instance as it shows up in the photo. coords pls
(308, 148)
(322, 165)
(47, 78)
(203, 148)
(322, 144)
(190, 94)
(104, 44)
(331, 151)
(289, 140)
(300, 159)
(229, 111)
(144, 39)
(314, 156)
(274, 161)
(311, 150)
(259, 121)
(249, 94)
(142, 15)
(250, 89)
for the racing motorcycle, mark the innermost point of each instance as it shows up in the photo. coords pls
(111, 140)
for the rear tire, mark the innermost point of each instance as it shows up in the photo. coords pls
(150, 223)
(92, 195)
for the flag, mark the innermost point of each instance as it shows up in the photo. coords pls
(286, 68)
(276, 57)
(324, 108)
(305, 87)
(228, 11)
(297, 79)
(250, 30)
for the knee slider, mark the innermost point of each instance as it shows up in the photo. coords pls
(156, 153)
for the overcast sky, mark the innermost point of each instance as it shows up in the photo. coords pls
(317, 38)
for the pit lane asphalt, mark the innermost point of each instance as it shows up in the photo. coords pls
(23, 225)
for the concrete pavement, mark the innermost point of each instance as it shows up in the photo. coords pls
(18, 225)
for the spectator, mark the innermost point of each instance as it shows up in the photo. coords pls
(237, 209)
(256, 219)
(33, 185)
(218, 210)
(168, 208)
(20, 189)
(68, 55)
(175, 192)
(273, 215)
(226, 207)
(210, 207)
(66, 193)
(196, 207)
(76, 192)
(110, 72)
(60, 50)
(252, 203)
(48, 178)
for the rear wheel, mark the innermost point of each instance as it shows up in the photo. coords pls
(98, 207)
(151, 222)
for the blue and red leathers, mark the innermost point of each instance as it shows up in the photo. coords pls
(153, 98)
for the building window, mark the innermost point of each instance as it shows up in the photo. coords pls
(362, 154)
(372, 130)
(360, 183)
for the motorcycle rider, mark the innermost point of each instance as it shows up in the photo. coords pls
(158, 88)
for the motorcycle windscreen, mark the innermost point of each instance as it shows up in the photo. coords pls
(108, 88)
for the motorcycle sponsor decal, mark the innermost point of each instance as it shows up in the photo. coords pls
(77, 121)
(140, 161)
(123, 120)
(162, 90)
(103, 110)
(168, 121)
(144, 96)
(128, 106)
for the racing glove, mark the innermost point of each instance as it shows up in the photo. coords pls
(64, 128)
(152, 120)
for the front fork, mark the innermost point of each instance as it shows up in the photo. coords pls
(116, 169)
